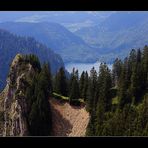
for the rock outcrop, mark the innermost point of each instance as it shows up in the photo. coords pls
(13, 99)
(67, 120)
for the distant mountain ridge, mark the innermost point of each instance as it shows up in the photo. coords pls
(54, 36)
(85, 36)
(117, 34)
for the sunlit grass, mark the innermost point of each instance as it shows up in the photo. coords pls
(115, 100)
(59, 96)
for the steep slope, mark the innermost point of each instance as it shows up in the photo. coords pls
(54, 36)
(68, 120)
(11, 44)
(13, 100)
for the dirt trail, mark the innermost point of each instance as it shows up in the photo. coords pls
(68, 120)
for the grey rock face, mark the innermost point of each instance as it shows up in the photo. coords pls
(14, 99)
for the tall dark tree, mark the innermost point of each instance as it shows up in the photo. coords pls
(145, 67)
(124, 92)
(84, 93)
(39, 116)
(91, 91)
(104, 85)
(74, 88)
(81, 84)
(61, 82)
(72, 76)
(116, 71)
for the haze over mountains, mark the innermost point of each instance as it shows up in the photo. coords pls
(10, 45)
(82, 36)
(54, 36)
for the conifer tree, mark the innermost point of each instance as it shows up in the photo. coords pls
(104, 85)
(84, 93)
(91, 91)
(116, 71)
(145, 67)
(61, 82)
(40, 116)
(74, 88)
(81, 84)
(123, 91)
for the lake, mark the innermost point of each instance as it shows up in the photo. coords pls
(84, 66)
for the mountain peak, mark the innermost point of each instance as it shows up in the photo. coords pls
(14, 98)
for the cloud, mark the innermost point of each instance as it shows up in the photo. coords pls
(33, 18)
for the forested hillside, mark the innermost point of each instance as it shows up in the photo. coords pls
(11, 44)
(119, 106)
(117, 100)
(54, 36)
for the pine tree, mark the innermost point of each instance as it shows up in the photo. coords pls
(84, 93)
(124, 93)
(81, 84)
(74, 88)
(136, 79)
(145, 67)
(74, 94)
(39, 116)
(91, 91)
(72, 76)
(104, 86)
(61, 82)
(116, 71)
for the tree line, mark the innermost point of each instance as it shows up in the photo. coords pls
(120, 103)
(116, 99)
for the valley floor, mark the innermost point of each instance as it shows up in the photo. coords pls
(68, 120)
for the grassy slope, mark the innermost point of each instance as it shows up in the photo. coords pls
(64, 98)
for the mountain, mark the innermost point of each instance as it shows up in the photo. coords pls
(73, 20)
(11, 44)
(13, 101)
(24, 111)
(86, 36)
(123, 20)
(54, 36)
(117, 34)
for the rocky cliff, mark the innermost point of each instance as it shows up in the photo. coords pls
(12, 99)
(67, 120)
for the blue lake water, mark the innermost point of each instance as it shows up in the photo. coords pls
(84, 66)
